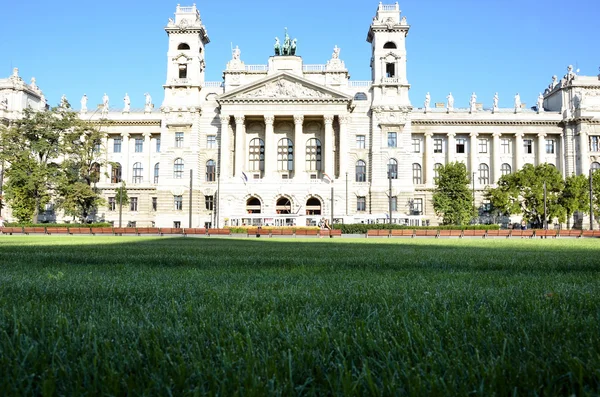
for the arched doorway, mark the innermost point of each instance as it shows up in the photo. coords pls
(313, 206)
(283, 206)
(253, 205)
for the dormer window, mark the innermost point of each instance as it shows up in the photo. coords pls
(390, 70)
(185, 46)
(390, 45)
(183, 71)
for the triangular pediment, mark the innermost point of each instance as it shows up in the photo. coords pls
(283, 87)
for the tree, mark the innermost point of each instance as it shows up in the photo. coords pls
(452, 197)
(121, 191)
(523, 193)
(575, 196)
(596, 194)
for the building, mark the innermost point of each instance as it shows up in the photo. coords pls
(287, 143)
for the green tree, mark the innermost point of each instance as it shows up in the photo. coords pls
(575, 196)
(523, 193)
(596, 194)
(452, 198)
(121, 192)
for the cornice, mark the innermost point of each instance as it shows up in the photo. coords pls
(285, 101)
(541, 123)
(114, 123)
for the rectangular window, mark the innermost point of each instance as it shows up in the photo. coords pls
(177, 224)
(154, 203)
(133, 204)
(97, 146)
(395, 203)
(179, 139)
(211, 141)
(416, 144)
(139, 145)
(549, 146)
(112, 204)
(528, 146)
(438, 145)
(594, 143)
(360, 142)
(117, 145)
(483, 146)
(178, 203)
(209, 202)
(417, 206)
(460, 145)
(361, 203)
(392, 139)
(157, 145)
(506, 146)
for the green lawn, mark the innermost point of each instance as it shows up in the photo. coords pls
(158, 316)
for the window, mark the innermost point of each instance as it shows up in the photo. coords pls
(154, 203)
(117, 145)
(392, 169)
(483, 146)
(112, 204)
(417, 206)
(210, 171)
(211, 141)
(528, 146)
(505, 169)
(182, 71)
(209, 202)
(360, 142)
(392, 139)
(484, 174)
(361, 171)
(253, 205)
(183, 46)
(285, 155)
(179, 139)
(283, 206)
(390, 70)
(390, 44)
(97, 146)
(438, 145)
(360, 96)
(178, 169)
(178, 201)
(394, 203)
(156, 171)
(115, 176)
(416, 168)
(506, 146)
(138, 170)
(313, 155)
(361, 203)
(416, 144)
(139, 145)
(460, 145)
(133, 204)
(257, 155)
(594, 143)
(157, 145)
(436, 169)
(176, 224)
(549, 146)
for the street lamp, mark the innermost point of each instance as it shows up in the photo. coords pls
(591, 200)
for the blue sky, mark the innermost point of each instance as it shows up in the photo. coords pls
(503, 46)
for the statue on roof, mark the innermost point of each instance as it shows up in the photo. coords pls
(288, 47)
(277, 46)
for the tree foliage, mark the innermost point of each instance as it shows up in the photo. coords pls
(452, 198)
(121, 192)
(575, 196)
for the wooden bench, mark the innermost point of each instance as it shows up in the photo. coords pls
(148, 230)
(330, 233)
(195, 231)
(57, 230)
(498, 233)
(378, 233)
(80, 230)
(11, 230)
(34, 230)
(426, 233)
(219, 232)
(542, 233)
(102, 230)
(258, 232)
(569, 233)
(450, 233)
(307, 232)
(474, 233)
(402, 233)
(171, 230)
(590, 233)
(522, 233)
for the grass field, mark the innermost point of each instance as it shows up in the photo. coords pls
(159, 316)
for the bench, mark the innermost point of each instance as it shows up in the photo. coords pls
(522, 233)
(57, 230)
(102, 230)
(124, 230)
(498, 233)
(147, 230)
(34, 230)
(11, 230)
(474, 233)
(219, 232)
(258, 232)
(542, 233)
(194, 231)
(402, 233)
(590, 233)
(378, 233)
(282, 232)
(426, 233)
(170, 230)
(307, 232)
(450, 233)
(330, 233)
(80, 230)
(569, 233)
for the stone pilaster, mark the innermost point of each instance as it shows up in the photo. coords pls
(518, 151)
(428, 158)
(496, 165)
(473, 153)
(224, 170)
(451, 155)
(329, 150)
(240, 145)
(541, 147)
(299, 146)
(344, 147)
(270, 149)
(125, 171)
(584, 163)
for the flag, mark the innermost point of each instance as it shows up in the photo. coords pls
(244, 177)
(327, 179)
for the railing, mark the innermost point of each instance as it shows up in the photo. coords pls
(313, 68)
(181, 81)
(186, 9)
(358, 83)
(389, 7)
(257, 68)
(390, 80)
(213, 84)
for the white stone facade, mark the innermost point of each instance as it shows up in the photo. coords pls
(274, 143)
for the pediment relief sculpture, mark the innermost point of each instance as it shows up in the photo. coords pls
(284, 89)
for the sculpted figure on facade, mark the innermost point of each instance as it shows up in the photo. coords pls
(570, 76)
(83, 102)
(105, 104)
(336, 52)
(148, 103)
(4, 104)
(495, 101)
(33, 84)
(64, 103)
(15, 73)
(473, 103)
(427, 102)
(235, 53)
(450, 99)
(126, 104)
(277, 46)
(540, 103)
(517, 103)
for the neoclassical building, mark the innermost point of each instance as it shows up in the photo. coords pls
(288, 143)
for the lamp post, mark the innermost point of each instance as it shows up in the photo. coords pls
(473, 180)
(390, 197)
(190, 214)
(591, 200)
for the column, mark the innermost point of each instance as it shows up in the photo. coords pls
(299, 147)
(344, 148)
(518, 151)
(147, 176)
(270, 149)
(541, 148)
(473, 153)
(497, 173)
(224, 170)
(329, 150)
(125, 172)
(583, 152)
(451, 147)
(240, 145)
(428, 158)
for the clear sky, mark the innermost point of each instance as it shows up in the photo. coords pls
(504, 46)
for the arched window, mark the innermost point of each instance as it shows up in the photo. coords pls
(313, 206)
(484, 174)
(436, 169)
(417, 178)
(138, 171)
(313, 155)
(361, 171)
(505, 169)
(360, 96)
(183, 46)
(210, 171)
(115, 175)
(178, 169)
(392, 169)
(257, 155)
(183, 71)
(595, 166)
(390, 45)
(156, 170)
(285, 155)
(253, 205)
(95, 173)
(283, 206)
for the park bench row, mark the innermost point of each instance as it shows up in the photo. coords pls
(482, 233)
(290, 232)
(116, 231)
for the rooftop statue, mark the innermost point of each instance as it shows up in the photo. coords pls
(288, 47)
